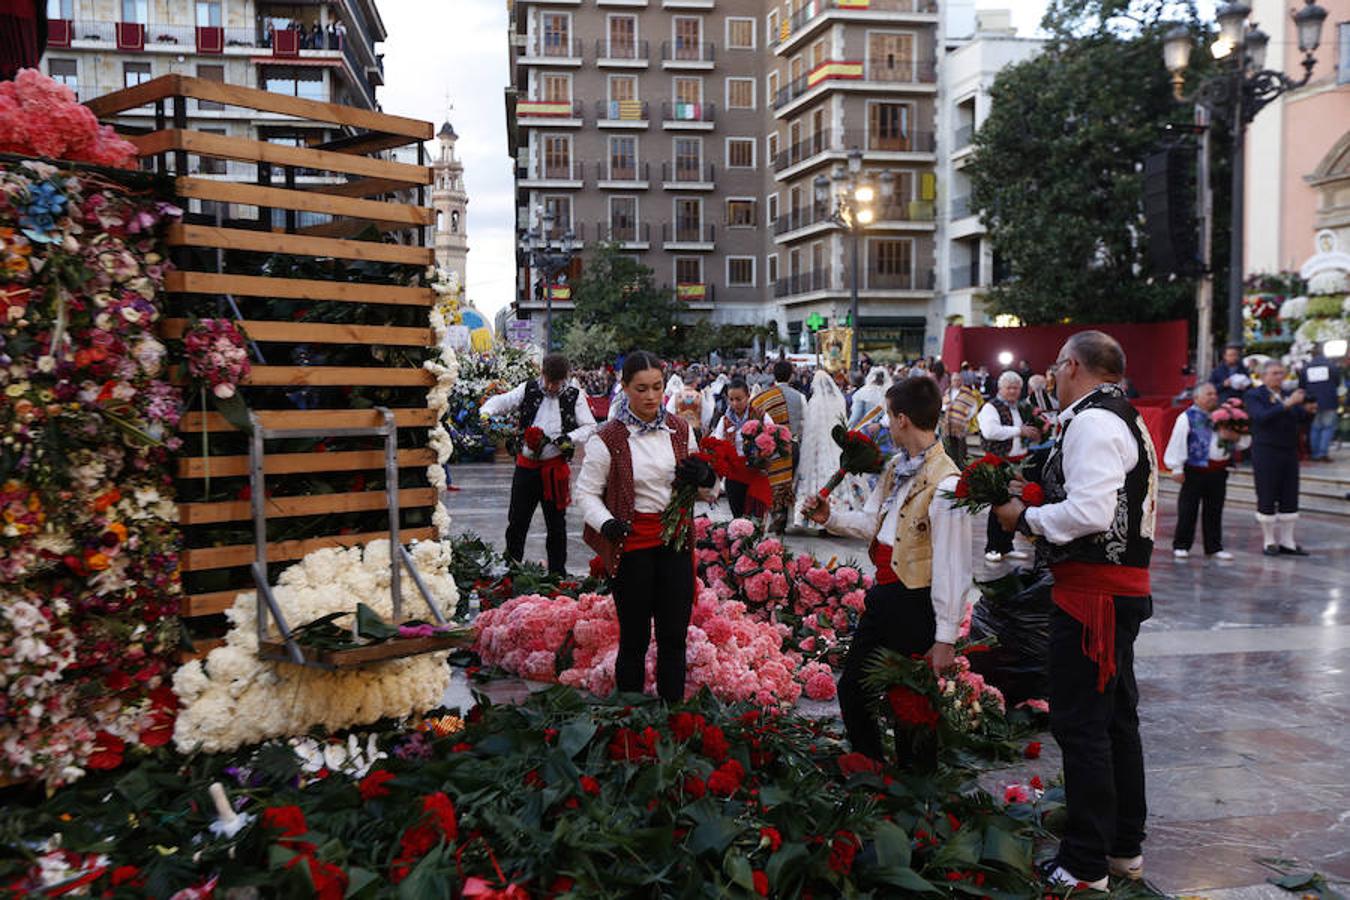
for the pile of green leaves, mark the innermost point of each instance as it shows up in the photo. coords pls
(620, 798)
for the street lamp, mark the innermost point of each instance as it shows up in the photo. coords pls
(552, 258)
(853, 211)
(1240, 90)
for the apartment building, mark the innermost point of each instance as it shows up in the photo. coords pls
(693, 133)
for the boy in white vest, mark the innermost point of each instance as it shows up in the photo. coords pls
(921, 546)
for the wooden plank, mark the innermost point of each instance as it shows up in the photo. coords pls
(309, 201)
(311, 505)
(300, 463)
(316, 333)
(337, 376)
(210, 604)
(200, 647)
(363, 144)
(167, 86)
(416, 417)
(296, 289)
(365, 187)
(222, 146)
(203, 559)
(296, 245)
(356, 657)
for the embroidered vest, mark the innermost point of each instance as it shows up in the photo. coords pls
(620, 492)
(912, 543)
(1128, 541)
(534, 398)
(1005, 417)
(1200, 438)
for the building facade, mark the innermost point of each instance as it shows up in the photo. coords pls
(692, 134)
(450, 201)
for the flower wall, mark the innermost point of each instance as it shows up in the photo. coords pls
(89, 586)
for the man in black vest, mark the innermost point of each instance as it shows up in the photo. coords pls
(554, 418)
(1096, 529)
(1003, 433)
(1277, 417)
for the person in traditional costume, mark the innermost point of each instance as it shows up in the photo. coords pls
(786, 406)
(554, 417)
(1277, 416)
(1198, 455)
(728, 428)
(1095, 531)
(921, 545)
(1002, 432)
(630, 468)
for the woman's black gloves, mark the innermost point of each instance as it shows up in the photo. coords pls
(615, 531)
(696, 473)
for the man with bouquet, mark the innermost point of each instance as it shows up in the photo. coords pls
(921, 545)
(554, 417)
(1095, 528)
(1198, 454)
(1003, 433)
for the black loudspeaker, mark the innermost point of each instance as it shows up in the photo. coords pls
(1169, 217)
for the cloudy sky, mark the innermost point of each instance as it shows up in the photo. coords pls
(458, 48)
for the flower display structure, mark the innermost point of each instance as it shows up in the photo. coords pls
(89, 586)
(554, 797)
(484, 375)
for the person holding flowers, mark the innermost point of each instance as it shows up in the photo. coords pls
(633, 465)
(728, 428)
(1094, 528)
(1198, 454)
(554, 416)
(786, 406)
(1003, 433)
(921, 545)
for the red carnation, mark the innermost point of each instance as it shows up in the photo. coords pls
(590, 785)
(1033, 494)
(771, 835)
(761, 883)
(330, 882)
(855, 763)
(443, 812)
(843, 847)
(726, 779)
(685, 725)
(108, 750)
(128, 875)
(289, 820)
(1033, 750)
(373, 785)
(962, 489)
(160, 730)
(628, 745)
(534, 438)
(694, 786)
(715, 744)
(911, 707)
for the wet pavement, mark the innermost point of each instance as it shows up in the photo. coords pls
(1244, 677)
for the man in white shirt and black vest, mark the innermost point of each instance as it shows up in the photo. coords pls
(1003, 433)
(563, 419)
(1095, 530)
(1198, 455)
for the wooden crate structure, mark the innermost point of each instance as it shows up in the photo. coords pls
(302, 220)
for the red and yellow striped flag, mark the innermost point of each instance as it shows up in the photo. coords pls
(548, 108)
(688, 292)
(842, 69)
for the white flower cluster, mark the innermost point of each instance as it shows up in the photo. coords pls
(348, 758)
(233, 698)
(1294, 308)
(446, 369)
(1329, 281)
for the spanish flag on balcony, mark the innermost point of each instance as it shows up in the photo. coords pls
(560, 292)
(853, 4)
(625, 110)
(691, 292)
(842, 70)
(544, 108)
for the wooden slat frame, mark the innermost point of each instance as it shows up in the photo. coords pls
(316, 333)
(310, 201)
(202, 559)
(221, 146)
(306, 505)
(209, 604)
(200, 647)
(167, 86)
(366, 187)
(337, 376)
(300, 463)
(295, 245)
(296, 289)
(415, 417)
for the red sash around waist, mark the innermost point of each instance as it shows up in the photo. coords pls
(646, 532)
(1087, 591)
(556, 475)
(880, 554)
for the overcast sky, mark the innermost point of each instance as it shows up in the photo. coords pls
(459, 47)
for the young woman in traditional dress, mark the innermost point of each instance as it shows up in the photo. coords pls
(632, 465)
(729, 429)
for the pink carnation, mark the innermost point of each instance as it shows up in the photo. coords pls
(765, 444)
(820, 686)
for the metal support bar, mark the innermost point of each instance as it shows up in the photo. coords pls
(269, 601)
(391, 493)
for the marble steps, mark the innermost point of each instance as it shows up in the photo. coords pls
(1321, 492)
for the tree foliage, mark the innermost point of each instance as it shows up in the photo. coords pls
(1058, 166)
(590, 346)
(620, 293)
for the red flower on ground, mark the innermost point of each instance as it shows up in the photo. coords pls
(715, 745)
(694, 786)
(685, 725)
(1032, 750)
(772, 837)
(843, 847)
(628, 745)
(1033, 494)
(373, 785)
(855, 763)
(590, 785)
(726, 779)
(761, 883)
(1037, 783)
(289, 820)
(443, 813)
(911, 707)
(128, 875)
(160, 730)
(108, 751)
(330, 882)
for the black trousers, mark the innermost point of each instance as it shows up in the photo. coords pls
(896, 618)
(736, 494)
(1206, 487)
(996, 539)
(1276, 474)
(1099, 736)
(527, 492)
(653, 585)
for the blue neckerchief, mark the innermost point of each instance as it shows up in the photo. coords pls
(628, 417)
(906, 467)
(735, 422)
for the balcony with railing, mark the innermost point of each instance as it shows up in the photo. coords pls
(802, 151)
(554, 174)
(688, 54)
(898, 210)
(622, 54)
(621, 113)
(804, 283)
(961, 207)
(631, 235)
(962, 277)
(550, 113)
(629, 177)
(874, 141)
(905, 278)
(815, 12)
(688, 116)
(903, 72)
(552, 51)
(687, 236)
(963, 137)
(689, 176)
(802, 217)
(696, 293)
(848, 75)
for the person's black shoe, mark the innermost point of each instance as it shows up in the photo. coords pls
(1292, 551)
(1272, 550)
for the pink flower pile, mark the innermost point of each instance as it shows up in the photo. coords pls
(216, 355)
(41, 117)
(764, 441)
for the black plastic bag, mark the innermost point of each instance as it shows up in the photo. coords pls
(1014, 615)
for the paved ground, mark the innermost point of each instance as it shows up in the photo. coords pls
(1244, 677)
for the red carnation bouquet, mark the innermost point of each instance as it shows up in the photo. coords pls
(858, 455)
(733, 467)
(535, 440)
(985, 482)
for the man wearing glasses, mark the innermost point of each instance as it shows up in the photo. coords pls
(1095, 530)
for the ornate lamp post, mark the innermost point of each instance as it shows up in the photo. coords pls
(1237, 93)
(552, 257)
(853, 211)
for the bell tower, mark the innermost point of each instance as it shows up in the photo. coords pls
(450, 202)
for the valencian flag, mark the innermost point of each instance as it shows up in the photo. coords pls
(625, 110)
